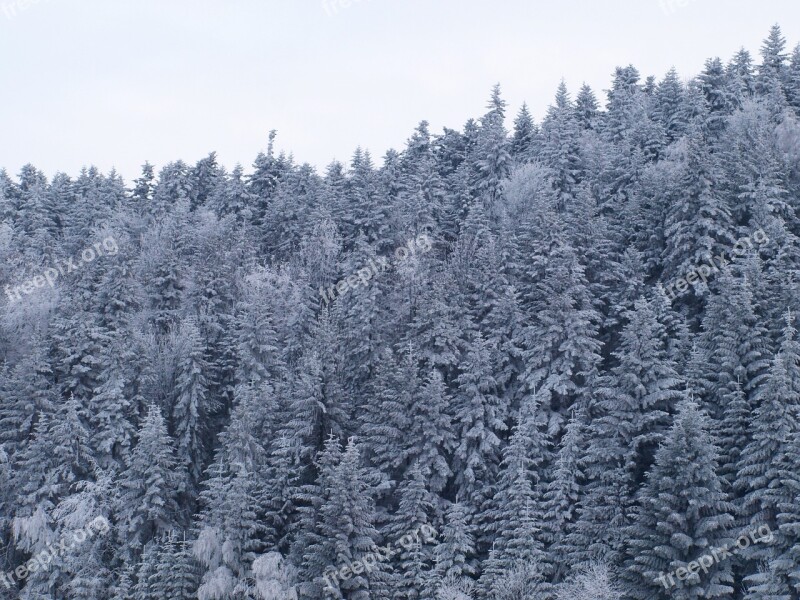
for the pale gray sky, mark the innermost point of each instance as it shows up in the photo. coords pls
(116, 82)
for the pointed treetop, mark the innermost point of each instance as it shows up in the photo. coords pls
(496, 104)
(562, 96)
(772, 50)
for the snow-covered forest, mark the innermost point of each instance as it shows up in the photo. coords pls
(522, 359)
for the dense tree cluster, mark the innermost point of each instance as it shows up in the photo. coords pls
(525, 387)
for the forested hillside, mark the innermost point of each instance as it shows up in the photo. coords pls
(516, 360)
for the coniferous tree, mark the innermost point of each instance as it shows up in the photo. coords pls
(563, 495)
(764, 465)
(560, 147)
(516, 510)
(148, 488)
(497, 317)
(413, 560)
(479, 421)
(454, 554)
(524, 134)
(669, 109)
(587, 108)
(771, 71)
(682, 513)
(191, 408)
(344, 530)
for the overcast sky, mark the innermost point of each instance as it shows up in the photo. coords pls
(116, 82)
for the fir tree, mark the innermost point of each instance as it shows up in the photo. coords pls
(479, 421)
(524, 134)
(683, 514)
(516, 509)
(191, 407)
(586, 108)
(455, 551)
(773, 63)
(149, 485)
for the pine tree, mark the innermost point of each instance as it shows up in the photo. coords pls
(733, 434)
(734, 342)
(630, 415)
(165, 286)
(698, 226)
(27, 394)
(230, 532)
(308, 422)
(124, 587)
(493, 150)
(713, 82)
(430, 433)
(646, 383)
(308, 541)
(142, 192)
(111, 413)
(787, 556)
(793, 80)
(206, 177)
(80, 341)
(384, 421)
(174, 186)
(57, 457)
(143, 589)
(740, 74)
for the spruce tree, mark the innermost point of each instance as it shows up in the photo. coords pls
(479, 421)
(560, 147)
(563, 495)
(563, 347)
(767, 471)
(682, 514)
(148, 488)
(345, 529)
(516, 513)
(455, 551)
(524, 134)
(771, 71)
(413, 560)
(191, 408)
(668, 109)
(586, 108)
